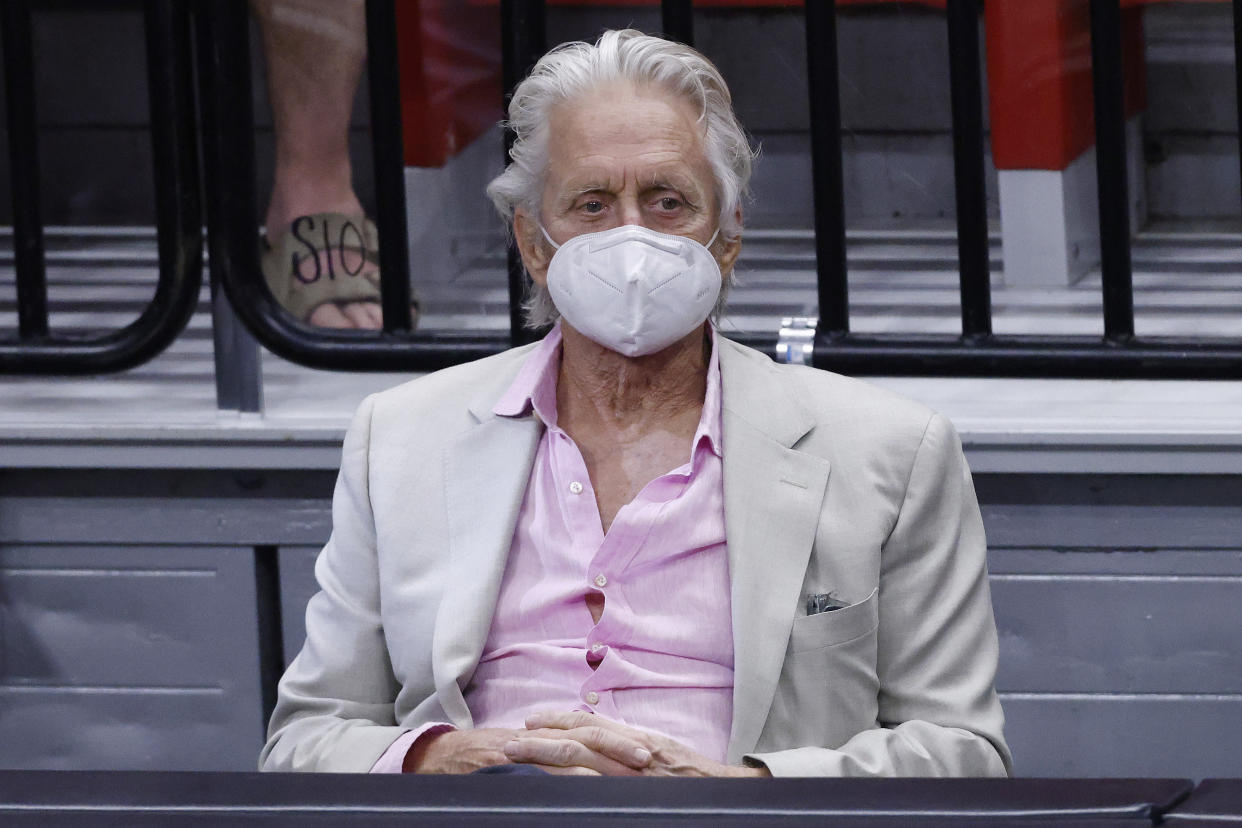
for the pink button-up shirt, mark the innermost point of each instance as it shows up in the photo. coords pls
(661, 656)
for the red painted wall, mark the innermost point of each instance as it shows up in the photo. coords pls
(1038, 64)
(1039, 79)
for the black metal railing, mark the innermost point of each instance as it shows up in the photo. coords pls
(977, 351)
(230, 173)
(523, 26)
(36, 349)
(966, 100)
(225, 90)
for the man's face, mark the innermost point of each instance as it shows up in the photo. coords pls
(623, 155)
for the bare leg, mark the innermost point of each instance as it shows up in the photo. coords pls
(315, 51)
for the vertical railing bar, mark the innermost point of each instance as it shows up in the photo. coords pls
(523, 42)
(223, 62)
(1237, 72)
(389, 159)
(224, 78)
(826, 174)
(966, 94)
(677, 20)
(269, 627)
(236, 358)
(238, 366)
(1108, 83)
(24, 169)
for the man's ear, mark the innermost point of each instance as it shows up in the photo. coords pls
(534, 248)
(729, 248)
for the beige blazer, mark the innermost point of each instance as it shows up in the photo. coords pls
(831, 485)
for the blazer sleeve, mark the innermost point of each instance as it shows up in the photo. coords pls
(334, 709)
(937, 644)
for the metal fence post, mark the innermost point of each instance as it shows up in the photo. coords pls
(24, 169)
(826, 173)
(1108, 84)
(523, 41)
(677, 20)
(966, 92)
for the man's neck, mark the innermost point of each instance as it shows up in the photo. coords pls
(604, 391)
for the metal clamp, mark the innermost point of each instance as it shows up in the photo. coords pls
(796, 341)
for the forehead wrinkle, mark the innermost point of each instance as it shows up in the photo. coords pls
(589, 183)
(610, 173)
(627, 126)
(654, 165)
(637, 139)
(631, 126)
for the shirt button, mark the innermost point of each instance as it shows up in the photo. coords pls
(597, 647)
(592, 697)
(575, 488)
(601, 581)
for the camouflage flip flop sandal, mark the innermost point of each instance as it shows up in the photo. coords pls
(324, 257)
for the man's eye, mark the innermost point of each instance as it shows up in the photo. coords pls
(593, 206)
(669, 203)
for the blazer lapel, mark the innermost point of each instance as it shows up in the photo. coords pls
(486, 471)
(773, 501)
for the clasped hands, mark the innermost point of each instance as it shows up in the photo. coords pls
(569, 742)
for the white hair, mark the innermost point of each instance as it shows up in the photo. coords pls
(575, 69)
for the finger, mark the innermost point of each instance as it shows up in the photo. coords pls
(624, 744)
(629, 747)
(573, 770)
(622, 747)
(563, 753)
(566, 720)
(329, 315)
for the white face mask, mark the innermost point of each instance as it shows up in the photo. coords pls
(631, 289)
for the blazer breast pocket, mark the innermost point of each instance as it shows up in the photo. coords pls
(827, 629)
(829, 686)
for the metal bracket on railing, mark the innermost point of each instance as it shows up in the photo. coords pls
(795, 344)
(177, 208)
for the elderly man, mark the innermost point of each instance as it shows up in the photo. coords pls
(637, 547)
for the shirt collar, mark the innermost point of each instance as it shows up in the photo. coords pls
(534, 389)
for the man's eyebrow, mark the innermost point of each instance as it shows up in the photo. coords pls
(672, 181)
(574, 190)
(689, 191)
(588, 185)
